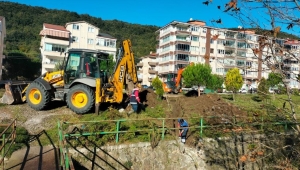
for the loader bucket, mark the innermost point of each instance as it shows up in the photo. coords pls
(14, 93)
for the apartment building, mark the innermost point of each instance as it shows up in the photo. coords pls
(88, 36)
(291, 64)
(56, 39)
(183, 42)
(2, 46)
(146, 69)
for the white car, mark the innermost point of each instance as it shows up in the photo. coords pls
(243, 91)
(271, 90)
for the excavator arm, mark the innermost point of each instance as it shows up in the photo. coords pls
(125, 71)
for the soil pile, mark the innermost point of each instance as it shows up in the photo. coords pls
(212, 107)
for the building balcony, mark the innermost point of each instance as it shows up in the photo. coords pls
(152, 63)
(57, 41)
(140, 79)
(182, 32)
(229, 65)
(150, 79)
(152, 71)
(139, 71)
(230, 46)
(48, 65)
(54, 54)
(140, 64)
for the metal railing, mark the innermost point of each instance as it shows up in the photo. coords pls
(198, 126)
(8, 136)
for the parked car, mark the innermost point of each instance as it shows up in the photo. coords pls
(243, 90)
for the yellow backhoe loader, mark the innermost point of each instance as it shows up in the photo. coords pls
(82, 83)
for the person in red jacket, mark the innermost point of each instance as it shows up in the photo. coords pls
(134, 98)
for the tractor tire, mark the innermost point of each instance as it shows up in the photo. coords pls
(37, 96)
(80, 99)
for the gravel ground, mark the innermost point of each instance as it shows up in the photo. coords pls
(34, 121)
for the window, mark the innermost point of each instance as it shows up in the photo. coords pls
(55, 47)
(166, 39)
(211, 50)
(194, 28)
(241, 45)
(75, 27)
(221, 51)
(204, 30)
(90, 41)
(90, 29)
(194, 48)
(182, 47)
(194, 38)
(203, 49)
(183, 57)
(211, 41)
(75, 39)
(106, 42)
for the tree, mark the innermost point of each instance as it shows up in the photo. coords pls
(17, 66)
(263, 87)
(216, 82)
(197, 74)
(233, 80)
(274, 79)
(108, 65)
(158, 86)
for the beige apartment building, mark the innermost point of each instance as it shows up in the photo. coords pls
(146, 69)
(2, 46)
(56, 39)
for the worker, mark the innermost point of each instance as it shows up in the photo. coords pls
(183, 129)
(134, 98)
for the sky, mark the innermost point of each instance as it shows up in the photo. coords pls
(147, 12)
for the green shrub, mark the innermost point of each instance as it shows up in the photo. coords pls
(257, 98)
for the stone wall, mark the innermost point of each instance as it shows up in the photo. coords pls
(239, 151)
(141, 156)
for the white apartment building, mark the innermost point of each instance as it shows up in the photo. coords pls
(56, 39)
(183, 42)
(291, 64)
(146, 69)
(2, 46)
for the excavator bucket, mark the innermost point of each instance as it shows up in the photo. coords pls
(14, 93)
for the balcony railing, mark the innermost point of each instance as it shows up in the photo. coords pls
(152, 71)
(152, 63)
(53, 53)
(139, 64)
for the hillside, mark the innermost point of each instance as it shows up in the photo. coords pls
(24, 23)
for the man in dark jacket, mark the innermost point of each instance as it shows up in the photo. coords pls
(134, 98)
(183, 125)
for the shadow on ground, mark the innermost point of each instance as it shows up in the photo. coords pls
(35, 157)
(99, 158)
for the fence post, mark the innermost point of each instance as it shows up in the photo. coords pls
(163, 130)
(201, 127)
(3, 149)
(117, 131)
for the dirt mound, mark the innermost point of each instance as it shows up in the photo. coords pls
(212, 107)
(149, 98)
